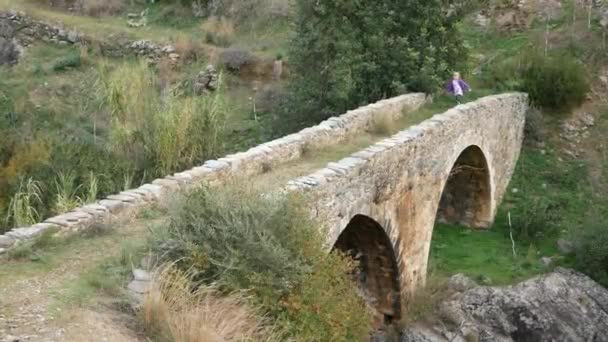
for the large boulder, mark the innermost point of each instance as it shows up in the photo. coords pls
(9, 49)
(560, 306)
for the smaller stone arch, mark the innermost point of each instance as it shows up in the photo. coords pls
(467, 195)
(366, 241)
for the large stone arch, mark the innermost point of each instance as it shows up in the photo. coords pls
(466, 197)
(366, 241)
(400, 181)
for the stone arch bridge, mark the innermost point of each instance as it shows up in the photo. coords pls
(381, 204)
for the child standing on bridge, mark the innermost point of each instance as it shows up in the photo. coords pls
(457, 87)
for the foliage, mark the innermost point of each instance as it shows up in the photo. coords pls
(23, 208)
(326, 305)
(218, 31)
(363, 51)
(591, 250)
(267, 245)
(65, 193)
(533, 129)
(170, 132)
(67, 62)
(177, 311)
(535, 221)
(557, 82)
(235, 59)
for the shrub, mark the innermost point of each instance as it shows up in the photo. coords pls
(176, 311)
(66, 198)
(218, 31)
(269, 246)
(591, 250)
(188, 48)
(8, 52)
(235, 59)
(23, 208)
(241, 241)
(68, 62)
(326, 305)
(535, 221)
(533, 129)
(556, 82)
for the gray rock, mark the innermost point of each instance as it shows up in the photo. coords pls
(139, 287)
(2, 251)
(6, 241)
(546, 261)
(141, 275)
(560, 306)
(460, 283)
(73, 37)
(565, 246)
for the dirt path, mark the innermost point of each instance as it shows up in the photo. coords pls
(44, 299)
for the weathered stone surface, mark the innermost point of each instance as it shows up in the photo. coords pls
(141, 275)
(560, 306)
(454, 167)
(113, 206)
(565, 246)
(460, 282)
(6, 241)
(26, 233)
(139, 287)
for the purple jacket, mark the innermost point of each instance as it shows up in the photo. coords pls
(450, 87)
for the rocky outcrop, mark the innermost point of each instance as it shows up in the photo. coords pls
(560, 306)
(206, 81)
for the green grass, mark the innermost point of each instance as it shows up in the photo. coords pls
(110, 276)
(485, 256)
(563, 191)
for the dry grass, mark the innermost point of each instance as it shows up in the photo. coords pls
(383, 124)
(219, 31)
(174, 310)
(188, 48)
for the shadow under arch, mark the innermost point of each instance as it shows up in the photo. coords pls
(467, 195)
(365, 240)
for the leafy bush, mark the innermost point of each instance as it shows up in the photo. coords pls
(235, 59)
(533, 129)
(269, 246)
(68, 62)
(555, 82)
(341, 59)
(591, 250)
(535, 221)
(218, 31)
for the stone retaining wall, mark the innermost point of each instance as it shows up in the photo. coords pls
(254, 161)
(26, 30)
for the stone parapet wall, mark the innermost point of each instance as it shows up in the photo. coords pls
(252, 162)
